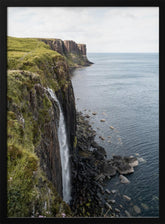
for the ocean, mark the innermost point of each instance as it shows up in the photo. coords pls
(123, 89)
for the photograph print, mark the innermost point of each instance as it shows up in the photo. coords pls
(83, 112)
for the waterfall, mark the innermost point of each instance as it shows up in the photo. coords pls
(64, 151)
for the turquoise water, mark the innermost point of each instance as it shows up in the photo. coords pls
(123, 89)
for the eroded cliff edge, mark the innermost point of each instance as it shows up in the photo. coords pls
(34, 165)
(75, 54)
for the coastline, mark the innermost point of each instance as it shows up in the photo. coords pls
(91, 170)
(72, 69)
(133, 133)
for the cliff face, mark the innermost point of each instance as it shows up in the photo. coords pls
(82, 48)
(56, 45)
(34, 163)
(71, 46)
(32, 131)
(48, 148)
(75, 54)
(33, 120)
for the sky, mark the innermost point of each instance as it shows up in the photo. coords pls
(102, 29)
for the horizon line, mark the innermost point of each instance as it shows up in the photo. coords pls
(133, 52)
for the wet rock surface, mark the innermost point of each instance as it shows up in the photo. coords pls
(90, 170)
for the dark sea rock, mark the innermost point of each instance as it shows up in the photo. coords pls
(132, 161)
(124, 165)
(99, 148)
(108, 169)
(90, 170)
(98, 155)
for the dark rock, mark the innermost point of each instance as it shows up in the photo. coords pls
(56, 45)
(122, 165)
(98, 147)
(100, 187)
(70, 49)
(93, 168)
(124, 168)
(132, 161)
(117, 158)
(85, 134)
(48, 150)
(101, 138)
(79, 177)
(82, 48)
(97, 178)
(98, 155)
(108, 170)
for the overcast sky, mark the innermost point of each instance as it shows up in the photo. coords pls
(102, 29)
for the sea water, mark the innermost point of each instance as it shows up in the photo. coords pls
(123, 89)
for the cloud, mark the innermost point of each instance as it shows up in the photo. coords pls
(103, 29)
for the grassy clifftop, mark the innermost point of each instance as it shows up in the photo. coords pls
(32, 65)
(33, 55)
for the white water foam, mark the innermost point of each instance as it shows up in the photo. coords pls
(64, 151)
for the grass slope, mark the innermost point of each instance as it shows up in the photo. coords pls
(30, 62)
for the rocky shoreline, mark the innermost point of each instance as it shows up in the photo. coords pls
(90, 170)
(33, 143)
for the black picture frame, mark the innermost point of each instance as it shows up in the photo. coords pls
(4, 4)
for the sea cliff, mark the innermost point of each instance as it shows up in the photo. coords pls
(74, 54)
(34, 165)
(35, 186)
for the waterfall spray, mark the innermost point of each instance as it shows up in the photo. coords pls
(64, 151)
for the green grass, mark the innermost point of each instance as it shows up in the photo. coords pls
(20, 118)
(33, 55)
(28, 188)
(31, 63)
(24, 44)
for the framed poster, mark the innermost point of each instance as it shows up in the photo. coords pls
(80, 112)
